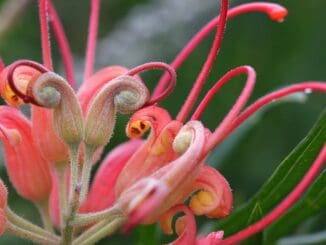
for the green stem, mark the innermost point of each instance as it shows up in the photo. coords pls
(86, 172)
(61, 171)
(85, 219)
(45, 215)
(74, 166)
(73, 205)
(25, 224)
(29, 235)
(100, 230)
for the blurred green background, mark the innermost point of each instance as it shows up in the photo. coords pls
(133, 32)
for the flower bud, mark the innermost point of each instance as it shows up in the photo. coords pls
(52, 91)
(125, 94)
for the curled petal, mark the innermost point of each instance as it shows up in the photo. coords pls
(31, 71)
(27, 170)
(179, 174)
(141, 121)
(140, 200)
(185, 226)
(22, 76)
(52, 91)
(95, 83)
(155, 152)
(214, 198)
(102, 194)
(124, 94)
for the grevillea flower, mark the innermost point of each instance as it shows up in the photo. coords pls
(140, 181)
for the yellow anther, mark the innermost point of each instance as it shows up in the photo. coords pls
(201, 201)
(10, 97)
(137, 128)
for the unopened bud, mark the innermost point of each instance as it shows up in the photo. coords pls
(52, 91)
(124, 94)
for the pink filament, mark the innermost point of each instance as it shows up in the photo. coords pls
(284, 205)
(11, 82)
(63, 44)
(92, 36)
(157, 65)
(45, 37)
(314, 86)
(237, 107)
(207, 66)
(275, 12)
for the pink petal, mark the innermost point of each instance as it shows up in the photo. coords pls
(27, 170)
(102, 194)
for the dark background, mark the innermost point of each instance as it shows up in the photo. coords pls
(282, 54)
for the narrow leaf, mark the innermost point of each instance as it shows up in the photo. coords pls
(282, 181)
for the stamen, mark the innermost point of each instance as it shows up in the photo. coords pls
(207, 66)
(313, 86)
(276, 12)
(45, 35)
(92, 35)
(237, 107)
(157, 65)
(284, 205)
(38, 67)
(63, 44)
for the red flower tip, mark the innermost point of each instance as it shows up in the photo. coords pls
(278, 13)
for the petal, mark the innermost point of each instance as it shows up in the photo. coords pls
(173, 180)
(185, 225)
(27, 170)
(93, 85)
(22, 76)
(211, 239)
(141, 200)
(102, 194)
(155, 152)
(214, 196)
(179, 174)
(52, 148)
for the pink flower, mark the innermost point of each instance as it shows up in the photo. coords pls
(140, 181)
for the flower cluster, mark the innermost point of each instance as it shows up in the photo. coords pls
(49, 157)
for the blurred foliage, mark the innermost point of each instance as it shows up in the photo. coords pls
(281, 54)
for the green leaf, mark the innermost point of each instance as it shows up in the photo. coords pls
(311, 204)
(282, 181)
(256, 214)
